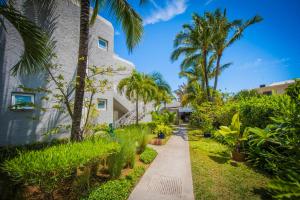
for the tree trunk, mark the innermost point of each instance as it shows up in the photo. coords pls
(206, 75)
(76, 133)
(137, 110)
(217, 75)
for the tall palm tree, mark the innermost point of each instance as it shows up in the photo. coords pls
(194, 42)
(225, 33)
(132, 86)
(37, 45)
(133, 28)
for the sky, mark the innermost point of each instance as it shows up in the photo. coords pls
(268, 52)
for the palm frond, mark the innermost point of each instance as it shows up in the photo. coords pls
(36, 42)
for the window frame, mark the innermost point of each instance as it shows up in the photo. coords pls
(14, 106)
(105, 104)
(104, 40)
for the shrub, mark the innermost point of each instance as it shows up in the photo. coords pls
(132, 139)
(256, 111)
(148, 155)
(195, 134)
(117, 189)
(49, 167)
(202, 117)
(162, 129)
(164, 117)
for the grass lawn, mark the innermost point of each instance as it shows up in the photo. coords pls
(215, 178)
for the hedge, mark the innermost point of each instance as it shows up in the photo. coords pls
(49, 167)
(148, 155)
(117, 189)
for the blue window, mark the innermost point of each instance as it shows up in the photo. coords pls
(102, 43)
(22, 101)
(102, 104)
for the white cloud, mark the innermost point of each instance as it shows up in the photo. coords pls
(173, 8)
(261, 63)
(117, 33)
(208, 2)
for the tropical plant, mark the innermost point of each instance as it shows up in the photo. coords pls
(162, 129)
(164, 91)
(232, 134)
(133, 28)
(195, 43)
(225, 33)
(37, 44)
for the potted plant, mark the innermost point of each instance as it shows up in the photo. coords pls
(234, 137)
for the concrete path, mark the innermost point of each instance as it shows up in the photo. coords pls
(169, 177)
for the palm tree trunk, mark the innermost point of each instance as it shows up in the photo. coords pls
(216, 76)
(206, 74)
(76, 133)
(137, 110)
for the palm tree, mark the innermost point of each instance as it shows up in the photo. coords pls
(37, 45)
(225, 34)
(132, 86)
(164, 91)
(133, 28)
(195, 43)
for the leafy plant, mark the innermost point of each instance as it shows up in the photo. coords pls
(232, 134)
(162, 129)
(148, 155)
(49, 167)
(117, 189)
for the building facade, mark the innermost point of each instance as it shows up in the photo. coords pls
(20, 126)
(274, 88)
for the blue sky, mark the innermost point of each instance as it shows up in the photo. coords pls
(268, 52)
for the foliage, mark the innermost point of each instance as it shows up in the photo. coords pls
(117, 189)
(195, 134)
(276, 147)
(232, 135)
(163, 117)
(148, 155)
(49, 167)
(203, 116)
(256, 111)
(37, 43)
(245, 94)
(133, 139)
(162, 129)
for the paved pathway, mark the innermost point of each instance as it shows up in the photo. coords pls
(169, 177)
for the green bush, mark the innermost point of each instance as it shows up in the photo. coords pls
(49, 167)
(203, 116)
(148, 155)
(256, 111)
(195, 134)
(132, 139)
(164, 117)
(117, 189)
(164, 129)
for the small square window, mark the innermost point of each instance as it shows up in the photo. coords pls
(22, 101)
(102, 43)
(102, 104)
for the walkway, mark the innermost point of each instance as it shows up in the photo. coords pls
(169, 177)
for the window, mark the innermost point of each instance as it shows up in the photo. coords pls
(22, 101)
(102, 43)
(102, 104)
(267, 92)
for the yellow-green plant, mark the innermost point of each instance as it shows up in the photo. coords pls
(48, 168)
(164, 129)
(232, 134)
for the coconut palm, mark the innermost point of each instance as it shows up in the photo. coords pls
(133, 28)
(164, 91)
(137, 87)
(37, 45)
(194, 42)
(225, 33)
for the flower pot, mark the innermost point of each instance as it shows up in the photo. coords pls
(207, 135)
(157, 141)
(238, 156)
